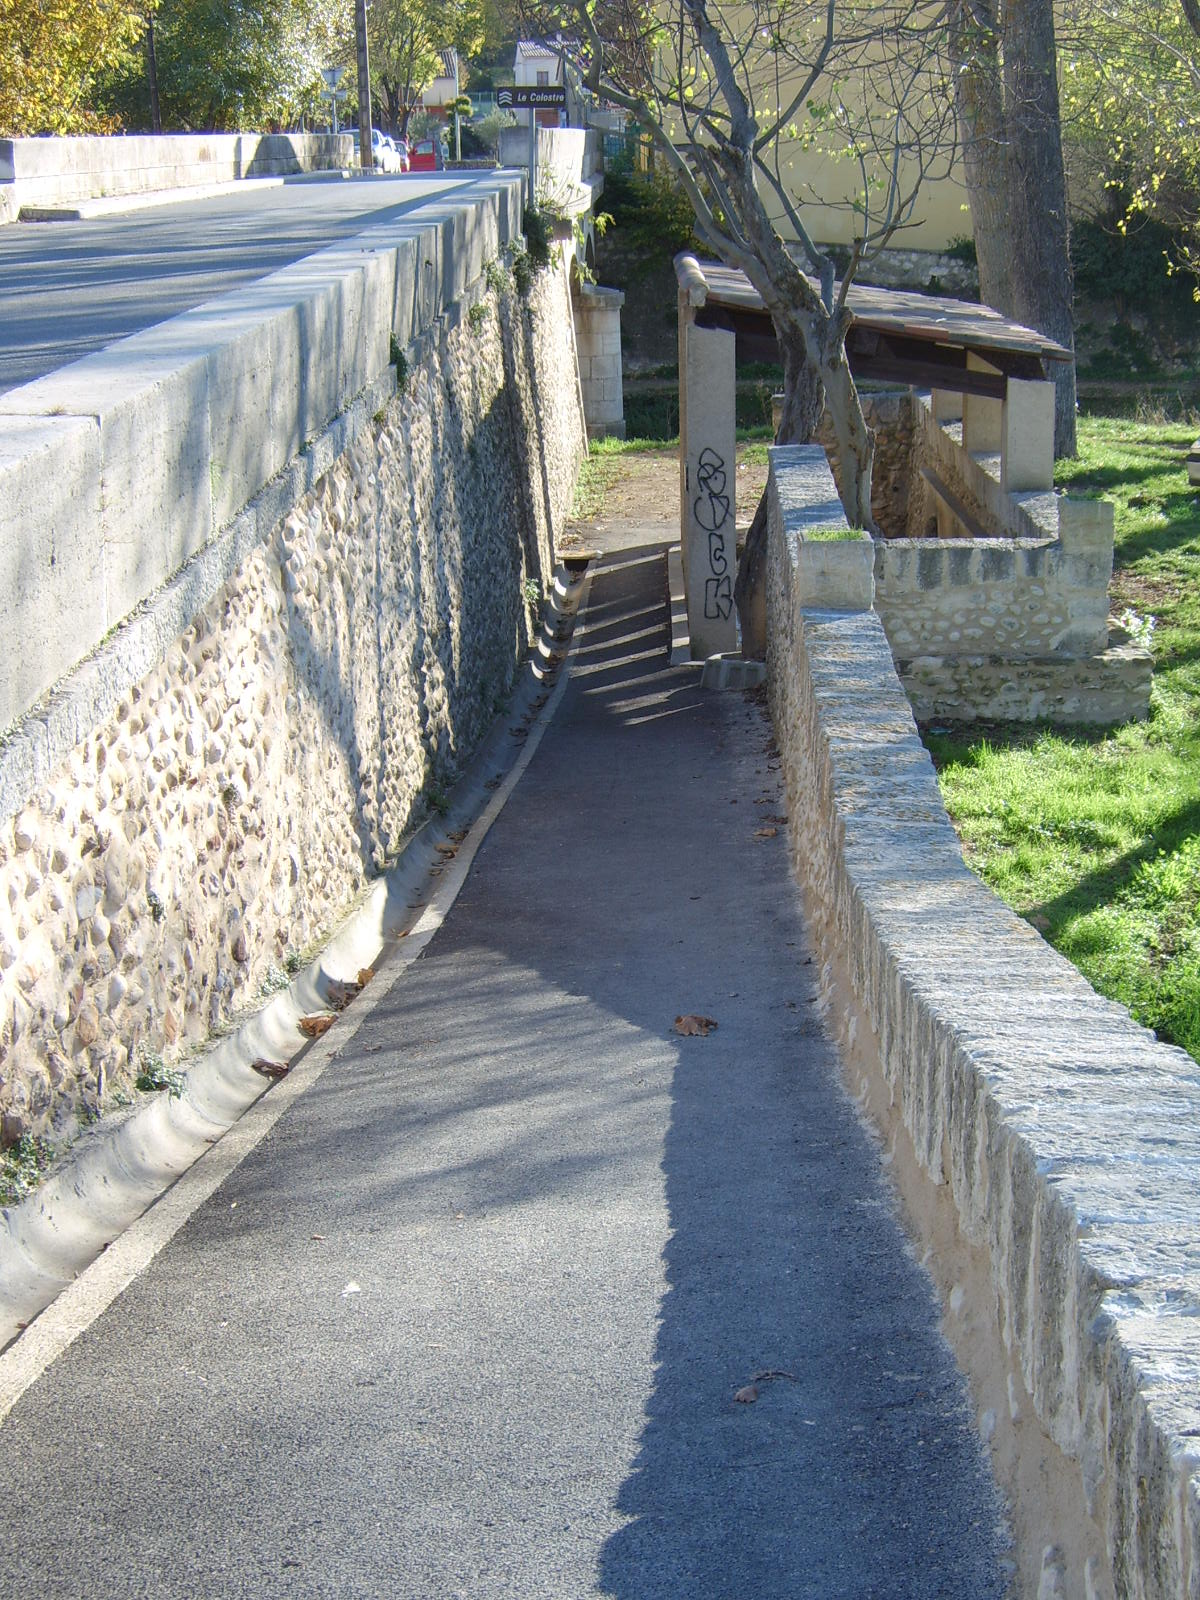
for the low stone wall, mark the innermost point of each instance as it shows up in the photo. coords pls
(1054, 1143)
(1020, 598)
(1014, 625)
(254, 743)
(598, 341)
(1032, 514)
(51, 172)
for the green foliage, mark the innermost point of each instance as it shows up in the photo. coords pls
(154, 1075)
(537, 224)
(478, 314)
(962, 248)
(486, 130)
(406, 40)
(53, 53)
(22, 1166)
(651, 215)
(1130, 93)
(1131, 263)
(1095, 836)
(229, 64)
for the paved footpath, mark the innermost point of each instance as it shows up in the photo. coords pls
(471, 1320)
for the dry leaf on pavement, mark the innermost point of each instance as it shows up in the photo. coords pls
(693, 1026)
(314, 1027)
(765, 833)
(746, 1396)
(272, 1069)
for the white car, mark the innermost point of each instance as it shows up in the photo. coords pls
(383, 151)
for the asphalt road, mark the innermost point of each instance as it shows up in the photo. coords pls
(68, 288)
(471, 1321)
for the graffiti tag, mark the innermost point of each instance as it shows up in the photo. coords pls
(711, 507)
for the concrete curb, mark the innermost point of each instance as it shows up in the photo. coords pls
(69, 1249)
(118, 205)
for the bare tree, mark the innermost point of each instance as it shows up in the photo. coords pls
(737, 100)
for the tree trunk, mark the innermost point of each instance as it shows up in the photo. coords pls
(975, 50)
(803, 401)
(1042, 281)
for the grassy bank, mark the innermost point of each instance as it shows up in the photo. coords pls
(1095, 836)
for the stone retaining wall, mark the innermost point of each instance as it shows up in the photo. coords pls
(1060, 1139)
(252, 746)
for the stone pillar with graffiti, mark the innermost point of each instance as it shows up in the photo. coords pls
(708, 487)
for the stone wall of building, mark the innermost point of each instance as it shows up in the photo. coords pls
(224, 816)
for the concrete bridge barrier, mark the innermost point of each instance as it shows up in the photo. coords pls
(42, 174)
(1047, 1148)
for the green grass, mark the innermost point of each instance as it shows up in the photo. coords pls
(1094, 835)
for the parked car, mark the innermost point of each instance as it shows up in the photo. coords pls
(424, 156)
(386, 156)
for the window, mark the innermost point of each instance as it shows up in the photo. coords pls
(543, 80)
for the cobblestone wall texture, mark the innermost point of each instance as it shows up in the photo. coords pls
(229, 812)
(1065, 1137)
(892, 417)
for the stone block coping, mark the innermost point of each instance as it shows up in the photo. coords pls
(1061, 1139)
(119, 469)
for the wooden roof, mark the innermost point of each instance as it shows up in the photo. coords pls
(896, 335)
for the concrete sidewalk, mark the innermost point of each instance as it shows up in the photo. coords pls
(472, 1319)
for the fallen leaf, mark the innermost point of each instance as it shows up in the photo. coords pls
(693, 1026)
(765, 833)
(365, 974)
(314, 1027)
(782, 820)
(447, 849)
(316, 1236)
(746, 1396)
(272, 1069)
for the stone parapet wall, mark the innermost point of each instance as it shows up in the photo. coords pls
(255, 743)
(119, 468)
(51, 172)
(976, 478)
(1054, 1143)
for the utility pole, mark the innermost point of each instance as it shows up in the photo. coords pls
(366, 155)
(152, 76)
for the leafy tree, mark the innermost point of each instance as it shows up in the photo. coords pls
(232, 64)
(51, 54)
(1131, 104)
(406, 40)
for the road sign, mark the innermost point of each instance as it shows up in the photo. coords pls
(526, 96)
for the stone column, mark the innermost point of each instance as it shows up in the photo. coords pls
(709, 489)
(982, 418)
(947, 405)
(1027, 436)
(598, 340)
